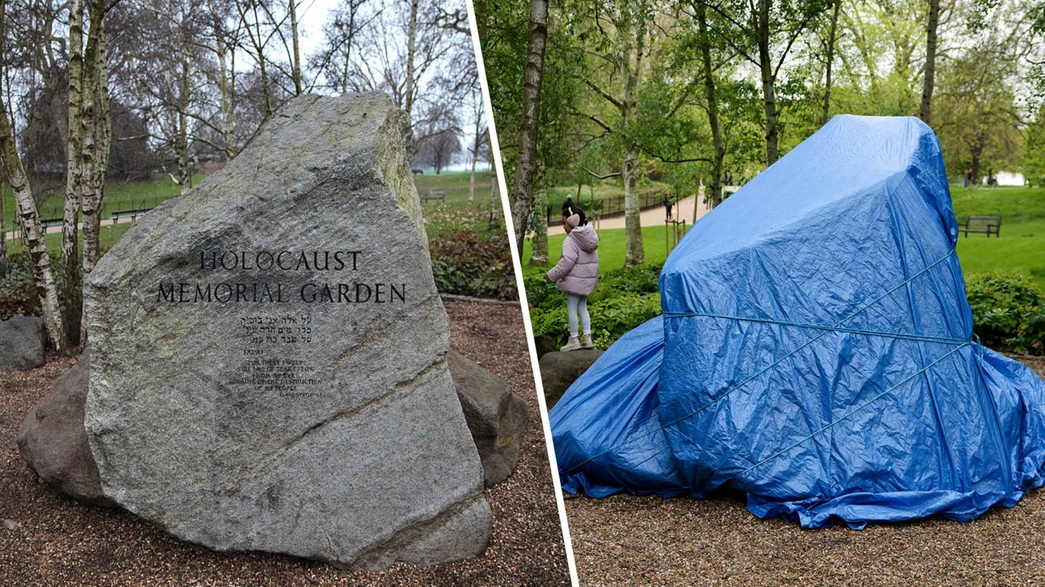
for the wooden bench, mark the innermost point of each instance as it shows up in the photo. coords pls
(49, 222)
(435, 195)
(132, 214)
(982, 225)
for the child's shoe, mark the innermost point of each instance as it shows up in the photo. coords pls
(586, 342)
(571, 345)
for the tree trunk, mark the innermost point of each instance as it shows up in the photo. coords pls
(830, 59)
(3, 229)
(96, 144)
(477, 143)
(71, 290)
(3, 196)
(411, 49)
(765, 61)
(712, 98)
(348, 49)
(495, 201)
(925, 111)
(182, 139)
(634, 252)
(291, 6)
(539, 255)
(471, 179)
(533, 74)
(34, 242)
(221, 48)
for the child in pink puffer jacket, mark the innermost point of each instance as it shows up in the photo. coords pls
(577, 272)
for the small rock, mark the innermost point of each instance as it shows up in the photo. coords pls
(53, 441)
(559, 370)
(22, 341)
(496, 417)
(11, 525)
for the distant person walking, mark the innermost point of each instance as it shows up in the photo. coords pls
(667, 205)
(968, 177)
(577, 273)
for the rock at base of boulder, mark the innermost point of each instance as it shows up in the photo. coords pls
(559, 370)
(545, 344)
(53, 441)
(496, 416)
(22, 341)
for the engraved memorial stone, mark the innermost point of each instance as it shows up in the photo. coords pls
(268, 355)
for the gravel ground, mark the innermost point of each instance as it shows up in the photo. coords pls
(60, 542)
(627, 540)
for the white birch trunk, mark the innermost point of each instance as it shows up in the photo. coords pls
(29, 216)
(71, 295)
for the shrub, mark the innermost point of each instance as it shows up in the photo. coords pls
(473, 264)
(17, 288)
(624, 299)
(1007, 310)
(610, 319)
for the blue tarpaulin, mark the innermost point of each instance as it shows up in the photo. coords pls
(816, 352)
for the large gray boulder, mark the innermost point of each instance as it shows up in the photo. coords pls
(559, 370)
(268, 355)
(496, 416)
(22, 341)
(53, 441)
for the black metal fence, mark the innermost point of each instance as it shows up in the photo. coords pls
(609, 207)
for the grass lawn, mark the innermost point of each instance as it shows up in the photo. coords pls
(118, 196)
(1021, 246)
(456, 186)
(1022, 243)
(611, 249)
(455, 211)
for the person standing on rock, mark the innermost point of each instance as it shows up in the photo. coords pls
(577, 273)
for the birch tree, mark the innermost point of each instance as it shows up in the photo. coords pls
(334, 61)
(29, 217)
(526, 162)
(622, 41)
(70, 293)
(97, 140)
(539, 253)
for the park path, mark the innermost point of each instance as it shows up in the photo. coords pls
(682, 210)
(16, 234)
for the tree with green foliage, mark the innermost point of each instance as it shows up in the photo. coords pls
(975, 108)
(504, 33)
(1033, 163)
(764, 33)
(619, 39)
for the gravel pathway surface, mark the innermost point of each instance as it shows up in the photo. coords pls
(627, 540)
(47, 539)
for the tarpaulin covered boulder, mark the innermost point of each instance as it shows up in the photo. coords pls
(816, 352)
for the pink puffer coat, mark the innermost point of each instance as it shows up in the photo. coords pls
(577, 272)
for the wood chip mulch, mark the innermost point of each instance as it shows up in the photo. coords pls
(56, 541)
(627, 540)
